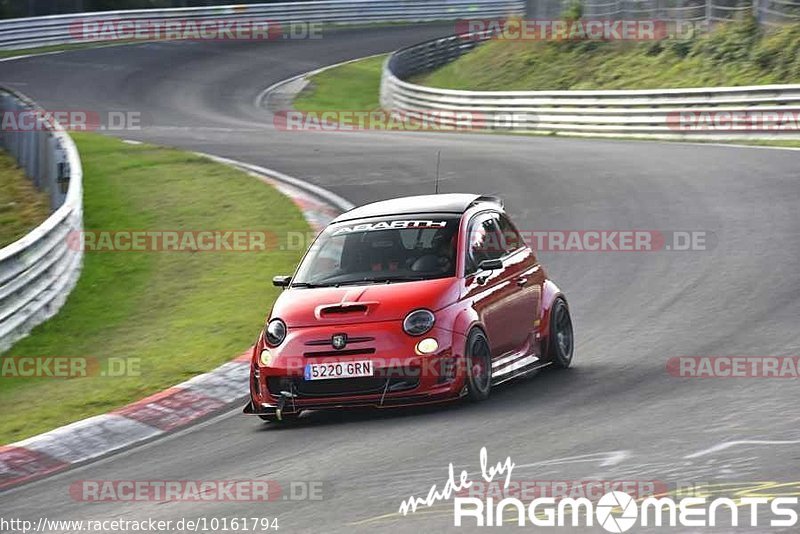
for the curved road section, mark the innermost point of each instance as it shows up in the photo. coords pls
(618, 415)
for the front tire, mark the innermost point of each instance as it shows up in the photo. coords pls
(479, 366)
(561, 342)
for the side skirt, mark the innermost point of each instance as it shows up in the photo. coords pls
(530, 369)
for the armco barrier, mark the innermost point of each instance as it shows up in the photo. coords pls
(756, 112)
(769, 12)
(38, 271)
(60, 29)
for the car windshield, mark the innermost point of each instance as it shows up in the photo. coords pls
(381, 250)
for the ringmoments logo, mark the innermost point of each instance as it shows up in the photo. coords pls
(613, 501)
(615, 511)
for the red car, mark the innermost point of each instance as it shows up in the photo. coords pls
(408, 301)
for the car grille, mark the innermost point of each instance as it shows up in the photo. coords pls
(371, 385)
(342, 352)
(329, 351)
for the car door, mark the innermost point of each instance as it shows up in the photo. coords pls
(524, 270)
(492, 292)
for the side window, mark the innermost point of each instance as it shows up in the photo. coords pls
(484, 241)
(329, 257)
(511, 238)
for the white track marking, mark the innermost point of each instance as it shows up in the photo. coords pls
(328, 196)
(729, 444)
(606, 459)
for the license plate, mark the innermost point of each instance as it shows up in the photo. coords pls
(325, 371)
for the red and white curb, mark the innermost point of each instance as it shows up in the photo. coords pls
(169, 410)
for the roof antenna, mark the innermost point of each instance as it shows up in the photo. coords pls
(438, 160)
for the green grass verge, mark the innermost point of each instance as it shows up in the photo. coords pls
(771, 142)
(351, 87)
(22, 206)
(735, 54)
(180, 313)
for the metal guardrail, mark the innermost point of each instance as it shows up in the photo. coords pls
(698, 11)
(661, 113)
(62, 29)
(38, 271)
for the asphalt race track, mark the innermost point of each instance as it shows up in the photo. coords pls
(617, 415)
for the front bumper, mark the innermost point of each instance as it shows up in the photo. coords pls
(289, 406)
(396, 381)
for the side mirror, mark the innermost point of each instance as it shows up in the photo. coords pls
(490, 265)
(281, 281)
(485, 267)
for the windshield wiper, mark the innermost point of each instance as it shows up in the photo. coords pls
(384, 280)
(310, 285)
(390, 279)
(351, 282)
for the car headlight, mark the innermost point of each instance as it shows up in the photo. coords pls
(275, 332)
(427, 346)
(418, 322)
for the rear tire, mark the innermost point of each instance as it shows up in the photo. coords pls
(561, 341)
(478, 358)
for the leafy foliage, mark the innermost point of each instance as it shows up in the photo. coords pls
(734, 53)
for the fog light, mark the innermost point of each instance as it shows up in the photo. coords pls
(266, 357)
(427, 346)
